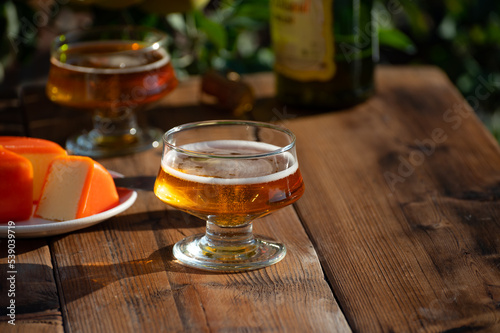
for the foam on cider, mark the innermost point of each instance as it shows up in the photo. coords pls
(226, 171)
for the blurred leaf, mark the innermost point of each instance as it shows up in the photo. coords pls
(10, 14)
(214, 31)
(477, 35)
(19, 34)
(243, 22)
(447, 29)
(396, 39)
(257, 10)
(456, 8)
(493, 32)
(247, 43)
(417, 18)
(177, 21)
(265, 57)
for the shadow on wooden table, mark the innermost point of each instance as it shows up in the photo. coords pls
(87, 278)
(161, 261)
(154, 220)
(33, 293)
(100, 275)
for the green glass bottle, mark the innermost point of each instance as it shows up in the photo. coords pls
(324, 53)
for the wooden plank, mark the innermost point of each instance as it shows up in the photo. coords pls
(33, 288)
(121, 275)
(402, 205)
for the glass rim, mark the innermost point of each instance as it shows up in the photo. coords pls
(78, 37)
(71, 35)
(206, 123)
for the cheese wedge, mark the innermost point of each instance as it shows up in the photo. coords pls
(76, 187)
(16, 187)
(40, 153)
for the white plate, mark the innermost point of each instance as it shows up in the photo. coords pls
(37, 227)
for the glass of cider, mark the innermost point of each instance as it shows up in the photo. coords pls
(112, 72)
(229, 173)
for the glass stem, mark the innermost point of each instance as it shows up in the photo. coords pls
(230, 240)
(114, 123)
(114, 129)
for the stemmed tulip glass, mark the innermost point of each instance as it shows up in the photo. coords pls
(229, 173)
(113, 72)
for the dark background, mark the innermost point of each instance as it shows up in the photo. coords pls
(460, 36)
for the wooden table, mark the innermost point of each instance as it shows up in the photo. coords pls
(398, 230)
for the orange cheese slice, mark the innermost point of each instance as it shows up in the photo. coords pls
(40, 153)
(16, 187)
(76, 187)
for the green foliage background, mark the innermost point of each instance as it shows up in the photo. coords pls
(460, 36)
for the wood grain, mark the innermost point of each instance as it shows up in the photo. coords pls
(403, 207)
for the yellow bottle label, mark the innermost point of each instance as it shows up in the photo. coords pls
(302, 35)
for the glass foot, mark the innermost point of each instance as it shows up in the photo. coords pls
(96, 145)
(198, 252)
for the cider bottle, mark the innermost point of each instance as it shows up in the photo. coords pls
(324, 53)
